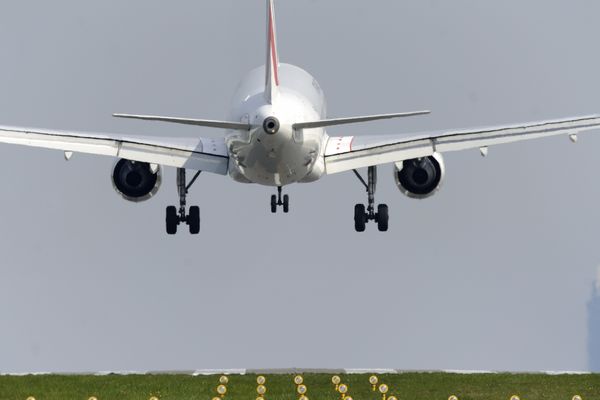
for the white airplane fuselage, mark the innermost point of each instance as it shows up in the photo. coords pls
(287, 156)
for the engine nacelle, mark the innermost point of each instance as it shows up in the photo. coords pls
(136, 181)
(420, 178)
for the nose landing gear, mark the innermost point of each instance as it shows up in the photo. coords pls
(277, 201)
(176, 217)
(363, 214)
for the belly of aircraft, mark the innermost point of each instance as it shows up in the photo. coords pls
(272, 162)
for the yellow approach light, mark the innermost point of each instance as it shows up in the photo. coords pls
(261, 389)
(453, 397)
(222, 389)
(301, 389)
(298, 380)
(261, 380)
(336, 381)
(373, 380)
(224, 380)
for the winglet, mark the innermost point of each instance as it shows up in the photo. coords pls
(272, 65)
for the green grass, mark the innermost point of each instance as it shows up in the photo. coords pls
(406, 386)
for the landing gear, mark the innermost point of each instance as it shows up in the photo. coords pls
(277, 200)
(176, 217)
(363, 214)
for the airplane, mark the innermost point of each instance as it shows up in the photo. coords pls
(276, 136)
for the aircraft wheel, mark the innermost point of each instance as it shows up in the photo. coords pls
(172, 220)
(360, 218)
(273, 204)
(383, 217)
(194, 220)
(286, 203)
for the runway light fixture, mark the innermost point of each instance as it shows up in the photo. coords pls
(261, 380)
(261, 389)
(336, 381)
(223, 380)
(31, 398)
(343, 388)
(577, 397)
(515, 397)
(222, 390)
(298, 380)
(303, 397)
(383, 389)
(260, 398)
(93, 398)
(453, 397)
(374, 380)
(216, 398)
(392, 398)
(301, 389)
(153, 398)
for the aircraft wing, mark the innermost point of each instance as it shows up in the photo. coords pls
(349, 152)
(206, 154)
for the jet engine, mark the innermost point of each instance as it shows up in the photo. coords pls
(420, 178)
(136, 181)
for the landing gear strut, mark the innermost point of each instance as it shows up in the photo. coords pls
(277, 200)
(363, 215)
(175, 216)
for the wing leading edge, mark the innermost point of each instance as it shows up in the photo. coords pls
(349, 152)
(206, 154)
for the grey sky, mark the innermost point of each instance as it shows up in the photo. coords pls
(492, 273)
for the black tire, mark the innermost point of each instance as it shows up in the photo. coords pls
(383, 217)
(172, 220)
(286, 203)
(194, 220)
(273, 204)
(360, 218)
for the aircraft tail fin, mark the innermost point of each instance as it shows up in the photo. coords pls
(272, 65)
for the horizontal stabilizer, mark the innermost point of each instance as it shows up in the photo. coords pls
(187, 121)
(354, 120)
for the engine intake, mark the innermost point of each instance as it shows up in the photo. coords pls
(420, 178)
(136, 181)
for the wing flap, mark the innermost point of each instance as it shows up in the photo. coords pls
(368, 151)
(206, 154)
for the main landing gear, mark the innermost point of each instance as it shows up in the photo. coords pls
(363, 215)
(176, 217)
(277, 201)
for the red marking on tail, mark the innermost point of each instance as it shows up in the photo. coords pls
(274, 58)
